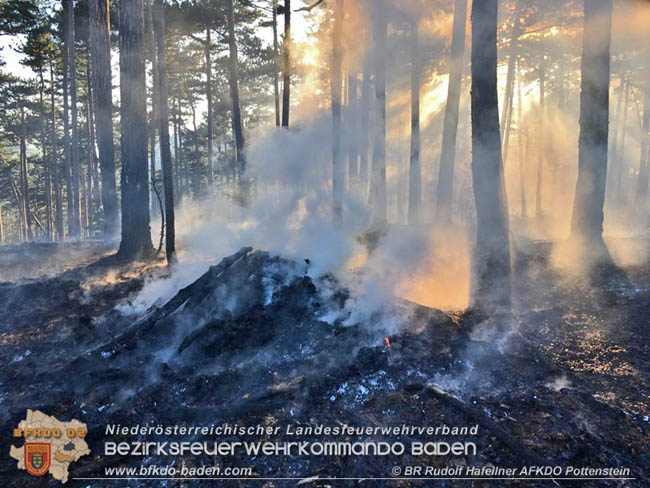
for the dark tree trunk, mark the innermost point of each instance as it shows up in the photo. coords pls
(46, 160)
(56, 173)
(75, 230)
(24, 183)
(276, 76)
(177, 152)
(136, 233)
(378, 178)
(286, 84)
(101, 64)
(491, 260)
(238, 133)
(587, 223)
(165, 150)
(153, 121)
(445, 190)
(67, 147)
(208, 94)
(336, 88)
(415, 171)
(93, 174)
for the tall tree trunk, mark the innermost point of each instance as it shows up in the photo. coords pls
(276, 76)
(445, 190)
(620, 160)
(415, 171)
(67, 146)
(93, 176)
(56, 173)
(233, 72)
(100, 28)
(208, 94)
(587, 222)
(505, 134)
(378, 178)
(76, 196)
(46, 161)
(286, 84)
(177, 154)
(542, 139)
(506, 114)
(364, 143)
(612, 157)
(491, 261)
(520, 141)
(644, 166)
(2, 228)
(194, 168)
(165, 151)
(153, 121)
(338, 178)
(353, 131)
(136, 233)
(24, 183)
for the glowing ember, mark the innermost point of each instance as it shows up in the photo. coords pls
(387, 341)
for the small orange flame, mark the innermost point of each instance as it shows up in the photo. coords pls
(387, 342)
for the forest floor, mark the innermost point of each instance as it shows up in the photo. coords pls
(570, 388)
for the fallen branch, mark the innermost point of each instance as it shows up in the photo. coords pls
(311, 7)
(162, 214)
(526, 456)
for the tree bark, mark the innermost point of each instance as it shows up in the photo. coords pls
(378, 178)
(506, 114)
(67, 147)
(286, 84)
(75, 230)
(136, 233)
(276, 76)
(491, 260)
(208, 94)
(56, 173)
(415, 170)
(46, 161)
(165, 150)
(102, 84)
(450, 128)
(587, 222)
(238, 133)
(336, 88)
(24, 183)
(153, 121)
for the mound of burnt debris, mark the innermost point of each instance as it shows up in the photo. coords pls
(257, 340)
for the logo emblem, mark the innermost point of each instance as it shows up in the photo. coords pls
(37, 458)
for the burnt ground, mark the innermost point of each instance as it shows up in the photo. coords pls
(569, 388)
